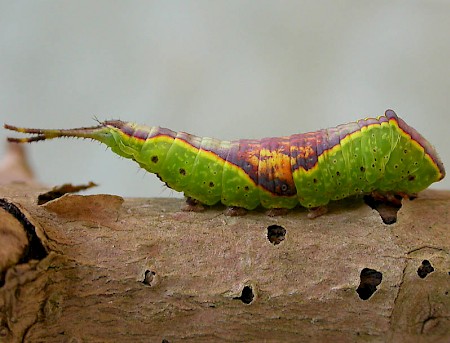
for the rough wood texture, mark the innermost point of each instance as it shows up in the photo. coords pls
(139, 270)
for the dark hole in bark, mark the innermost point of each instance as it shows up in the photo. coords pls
(370, 279)
(276, 234)
(425, 269)
(149, 278)
(387, 208)
(247, 295)
(35, 249)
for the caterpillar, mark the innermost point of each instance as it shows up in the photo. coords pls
(383, 155)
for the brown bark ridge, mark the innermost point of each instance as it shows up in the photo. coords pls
(99, 268)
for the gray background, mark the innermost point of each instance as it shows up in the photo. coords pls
(226, 69)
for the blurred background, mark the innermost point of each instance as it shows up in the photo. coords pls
(224, 69)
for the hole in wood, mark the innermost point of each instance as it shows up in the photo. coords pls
(149, 278)
(247, 295)
(276, 234)
(425, 269)
(370, 279)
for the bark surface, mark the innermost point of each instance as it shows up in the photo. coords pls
(101, 268)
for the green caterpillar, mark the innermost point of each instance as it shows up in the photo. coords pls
(383, 155)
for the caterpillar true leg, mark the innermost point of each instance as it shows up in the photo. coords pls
(192, 205)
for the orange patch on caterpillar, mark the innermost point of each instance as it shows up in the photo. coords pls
(303, 151)
(275, 163)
